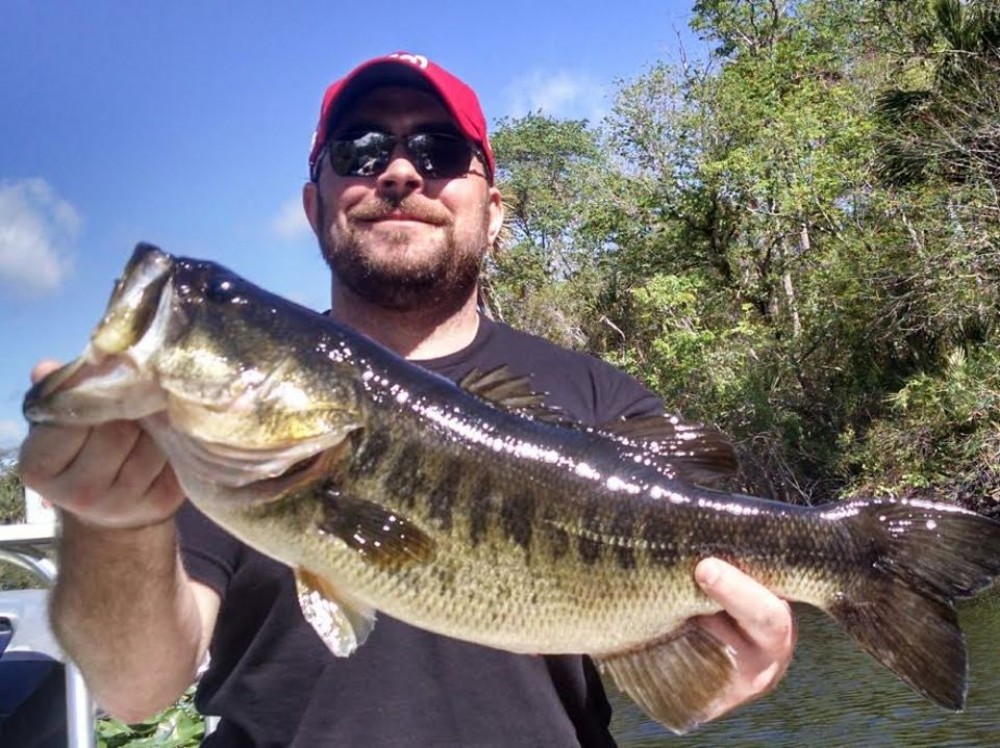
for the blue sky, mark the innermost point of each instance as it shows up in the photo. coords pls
(187, 124)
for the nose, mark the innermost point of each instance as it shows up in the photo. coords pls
(400, 177)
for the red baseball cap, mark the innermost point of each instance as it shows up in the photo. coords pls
(405, 68)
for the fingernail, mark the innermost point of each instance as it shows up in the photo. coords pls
(708, 572)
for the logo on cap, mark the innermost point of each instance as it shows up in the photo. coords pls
(419, 60)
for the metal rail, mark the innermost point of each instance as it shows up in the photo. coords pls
(25, 546)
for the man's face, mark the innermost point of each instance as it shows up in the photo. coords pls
(401, 240)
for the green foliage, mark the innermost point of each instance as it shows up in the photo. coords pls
(940, 436)
(740, 25)
(11, 512)
(942, 121)
(546, 169)
(551, 176)
(11, 489)
(179, 726)
(735, 236)
(520, 293)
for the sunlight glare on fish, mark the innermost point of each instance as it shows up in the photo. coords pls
(293, 396)
(656, 492)
(614, 483)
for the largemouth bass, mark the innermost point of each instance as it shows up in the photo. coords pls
(472, 511)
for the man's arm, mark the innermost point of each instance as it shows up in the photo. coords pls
(129, 616)
(123, 607)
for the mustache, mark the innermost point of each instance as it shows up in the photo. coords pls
(380, 208)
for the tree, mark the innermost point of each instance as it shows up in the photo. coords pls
(731, 235)
(747, 167)
(548, 172)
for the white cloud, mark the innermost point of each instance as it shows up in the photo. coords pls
(290, 222)
(12, 433)
(560, 94)
(36, 229)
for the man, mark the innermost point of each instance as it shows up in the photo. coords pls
(402, 201)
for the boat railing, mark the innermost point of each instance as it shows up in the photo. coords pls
(29, 545)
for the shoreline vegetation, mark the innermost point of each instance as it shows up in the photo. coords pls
(793, 236)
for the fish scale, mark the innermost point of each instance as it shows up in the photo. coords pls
(475, 512)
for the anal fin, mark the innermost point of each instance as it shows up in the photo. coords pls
(676, 681)
(342, 624)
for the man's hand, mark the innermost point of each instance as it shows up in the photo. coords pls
(112, 475)
(122, 607)
(757, 625)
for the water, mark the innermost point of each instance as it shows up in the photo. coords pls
(836, 695)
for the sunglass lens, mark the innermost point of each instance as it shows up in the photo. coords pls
(439, 155)
(363, 156)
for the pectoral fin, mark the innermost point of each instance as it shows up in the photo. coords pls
(343, 624)
(379, 535)
(676, 681)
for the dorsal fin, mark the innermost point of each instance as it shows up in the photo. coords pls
(512, 393)
(693, 451)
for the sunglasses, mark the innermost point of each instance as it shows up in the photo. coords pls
(435, 155)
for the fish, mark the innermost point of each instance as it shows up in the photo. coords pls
(473, 510)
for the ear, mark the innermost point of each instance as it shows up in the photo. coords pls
(495, 215)
(310, 203)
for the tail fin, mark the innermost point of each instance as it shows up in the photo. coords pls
(924, 556)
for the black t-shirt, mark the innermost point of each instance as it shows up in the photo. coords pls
(274, 683)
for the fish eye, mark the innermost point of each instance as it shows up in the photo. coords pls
(220, 289)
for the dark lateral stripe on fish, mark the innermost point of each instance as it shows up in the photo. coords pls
(479, 509)
(517, 517)
(588, 544)
(369, 453)
(622, 529)
(442, 497)
(558, 542)
(660, 544)
(625, 556)
(403, 481)
(552, 537)
(589, 549)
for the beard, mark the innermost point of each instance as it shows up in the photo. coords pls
(390, 276)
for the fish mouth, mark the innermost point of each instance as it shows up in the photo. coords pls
(104, 383)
